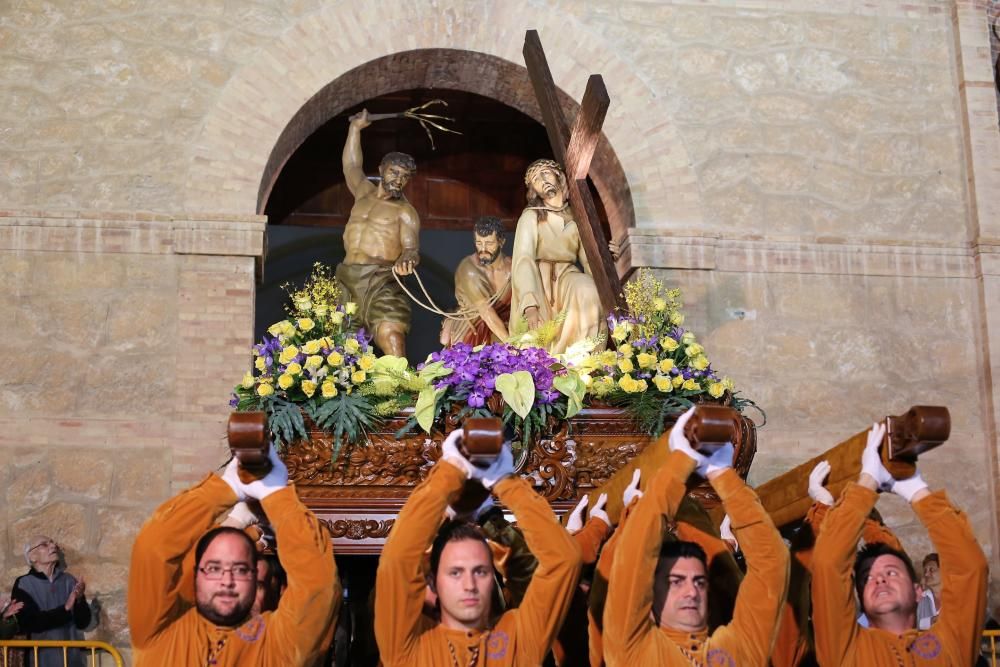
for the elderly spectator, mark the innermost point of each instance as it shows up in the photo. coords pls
(54, 606)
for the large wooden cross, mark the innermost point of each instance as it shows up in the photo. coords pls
(574, 150)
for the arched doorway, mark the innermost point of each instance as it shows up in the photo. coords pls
(460, 177)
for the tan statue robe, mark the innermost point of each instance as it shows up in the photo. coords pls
(544, 273)
(473, 286)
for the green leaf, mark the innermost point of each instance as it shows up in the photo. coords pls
(425, 408)
(518, 391)
(571, 386)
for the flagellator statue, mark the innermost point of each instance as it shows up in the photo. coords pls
(545, 278)
(382, 233)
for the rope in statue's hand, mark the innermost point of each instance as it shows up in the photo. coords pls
(461, 315)
(426, 120)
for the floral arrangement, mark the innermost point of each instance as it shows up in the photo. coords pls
(654, 367)
(315, 360)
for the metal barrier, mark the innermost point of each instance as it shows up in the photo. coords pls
(96, 659)
(989, 647)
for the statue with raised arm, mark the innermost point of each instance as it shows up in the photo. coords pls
(482, 284)
(546, 280)
(381, 234)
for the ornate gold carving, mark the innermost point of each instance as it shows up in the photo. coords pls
(359, 529)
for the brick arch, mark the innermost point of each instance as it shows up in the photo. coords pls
(337, 57)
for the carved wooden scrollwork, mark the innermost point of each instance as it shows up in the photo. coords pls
(359, 529)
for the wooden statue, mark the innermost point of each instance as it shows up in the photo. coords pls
(545, 279)
(922, 428)
(482, 289)
(382, 235)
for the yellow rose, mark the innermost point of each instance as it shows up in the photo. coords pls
(728, 384)
(678, 381)
(602, 386)
(276, 328)
(690, 385)
(663, 383)
(700, 362)
(716, 389)
(264, 389)
(285, 381)
(626, 350)
(247, 380)
(668, 344)
(350, 308)
(320, 311)
(293, 369)
(366, 362)
(659, 304)
(288, 354)
(608, 358)
(335, 359)
(666, 365)
(687, 338)
(314, 361)
(308, 388)
(641, 386)
(626, 382)
(620, 332)
(260, 363)
(306, 324)
(626, 366)
(646, 360)
(303, 304)
(357, 377)
(693, 350)
(312, 347)
(676, 319)
(287, 330)
(352, 346)
(329, 389)
(337, 317)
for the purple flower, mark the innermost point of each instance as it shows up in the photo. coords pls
(234, 401)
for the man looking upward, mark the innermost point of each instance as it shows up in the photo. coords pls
(382, 234)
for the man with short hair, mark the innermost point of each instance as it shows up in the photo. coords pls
(271, 582)
(470, 630)
(656, 611)
(930, 600)
(221, 628)
(54, 606)
(482, 283)
(886, 582)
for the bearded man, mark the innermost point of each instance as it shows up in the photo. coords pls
(545, 279)
(382, 234)
(221, 628)
(482, 282)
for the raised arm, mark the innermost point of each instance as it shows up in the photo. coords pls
(764, 588)
(154, 595)
(308, 607)
(354, 174)
(400, 581)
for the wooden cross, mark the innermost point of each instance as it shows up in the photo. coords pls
(574, 150)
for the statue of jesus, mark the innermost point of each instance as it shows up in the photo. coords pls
(382, 233)
(545, 278)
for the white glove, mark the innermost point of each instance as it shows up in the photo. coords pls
(501, 467)
(231, 476)
(817, 491)
(679, 443)
(871, 460)
(450, 453)
(241, 516)
(575, 521)
(907, 488)
(597, 511)
(632, 490)
(726, 531)
(274, 480)
(720, 459)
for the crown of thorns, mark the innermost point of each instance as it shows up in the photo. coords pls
(538, 165)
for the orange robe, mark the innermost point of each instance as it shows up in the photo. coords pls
(952, 640)
(793, 644)
(167, 630)
(521, 636)
(630, 636)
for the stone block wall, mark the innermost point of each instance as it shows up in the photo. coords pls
(821, 178)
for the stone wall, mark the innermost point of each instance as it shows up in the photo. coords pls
(821, 179)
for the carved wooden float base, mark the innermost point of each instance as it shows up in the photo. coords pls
(360, 494)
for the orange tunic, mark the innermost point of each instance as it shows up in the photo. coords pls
(630, 636)
(167, 630)
(952, 640)
(521, 636)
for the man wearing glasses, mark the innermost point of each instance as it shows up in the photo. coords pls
(221, 628)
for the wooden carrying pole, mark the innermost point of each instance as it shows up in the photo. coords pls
(922, 428)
